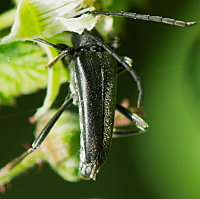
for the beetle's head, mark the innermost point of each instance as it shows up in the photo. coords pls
(84, 40)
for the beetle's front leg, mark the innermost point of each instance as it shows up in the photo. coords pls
(121, 69)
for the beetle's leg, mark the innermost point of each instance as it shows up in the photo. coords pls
(145, 18)
(113, 40)
(42, 135)
(121, 69)
(113, 44)
(65, 51)
(122, 62)
(60, 56)
(135, 119)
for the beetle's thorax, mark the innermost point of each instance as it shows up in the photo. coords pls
(84, 40)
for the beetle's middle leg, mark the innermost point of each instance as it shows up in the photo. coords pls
(141, 125)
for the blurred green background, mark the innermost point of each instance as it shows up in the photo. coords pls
(162, 163)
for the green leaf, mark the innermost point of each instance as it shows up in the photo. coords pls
(56, 75)
(61, 147)
(60, 150)
(22, 70)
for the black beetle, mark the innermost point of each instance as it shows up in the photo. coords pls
(94, 67)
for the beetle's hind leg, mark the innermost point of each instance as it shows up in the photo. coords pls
(141, 125)
(37, 142)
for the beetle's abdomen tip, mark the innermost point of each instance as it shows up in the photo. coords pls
(88, 171)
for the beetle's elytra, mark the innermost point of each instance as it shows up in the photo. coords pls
(94, 69)
(94, 73)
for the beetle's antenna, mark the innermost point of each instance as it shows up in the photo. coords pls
(48, 43)
(121, 61)
(145, 18)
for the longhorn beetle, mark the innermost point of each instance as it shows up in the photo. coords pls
(94, 69)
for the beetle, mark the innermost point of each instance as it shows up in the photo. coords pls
(94, 70)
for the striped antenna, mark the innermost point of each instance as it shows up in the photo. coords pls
(145, 18)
